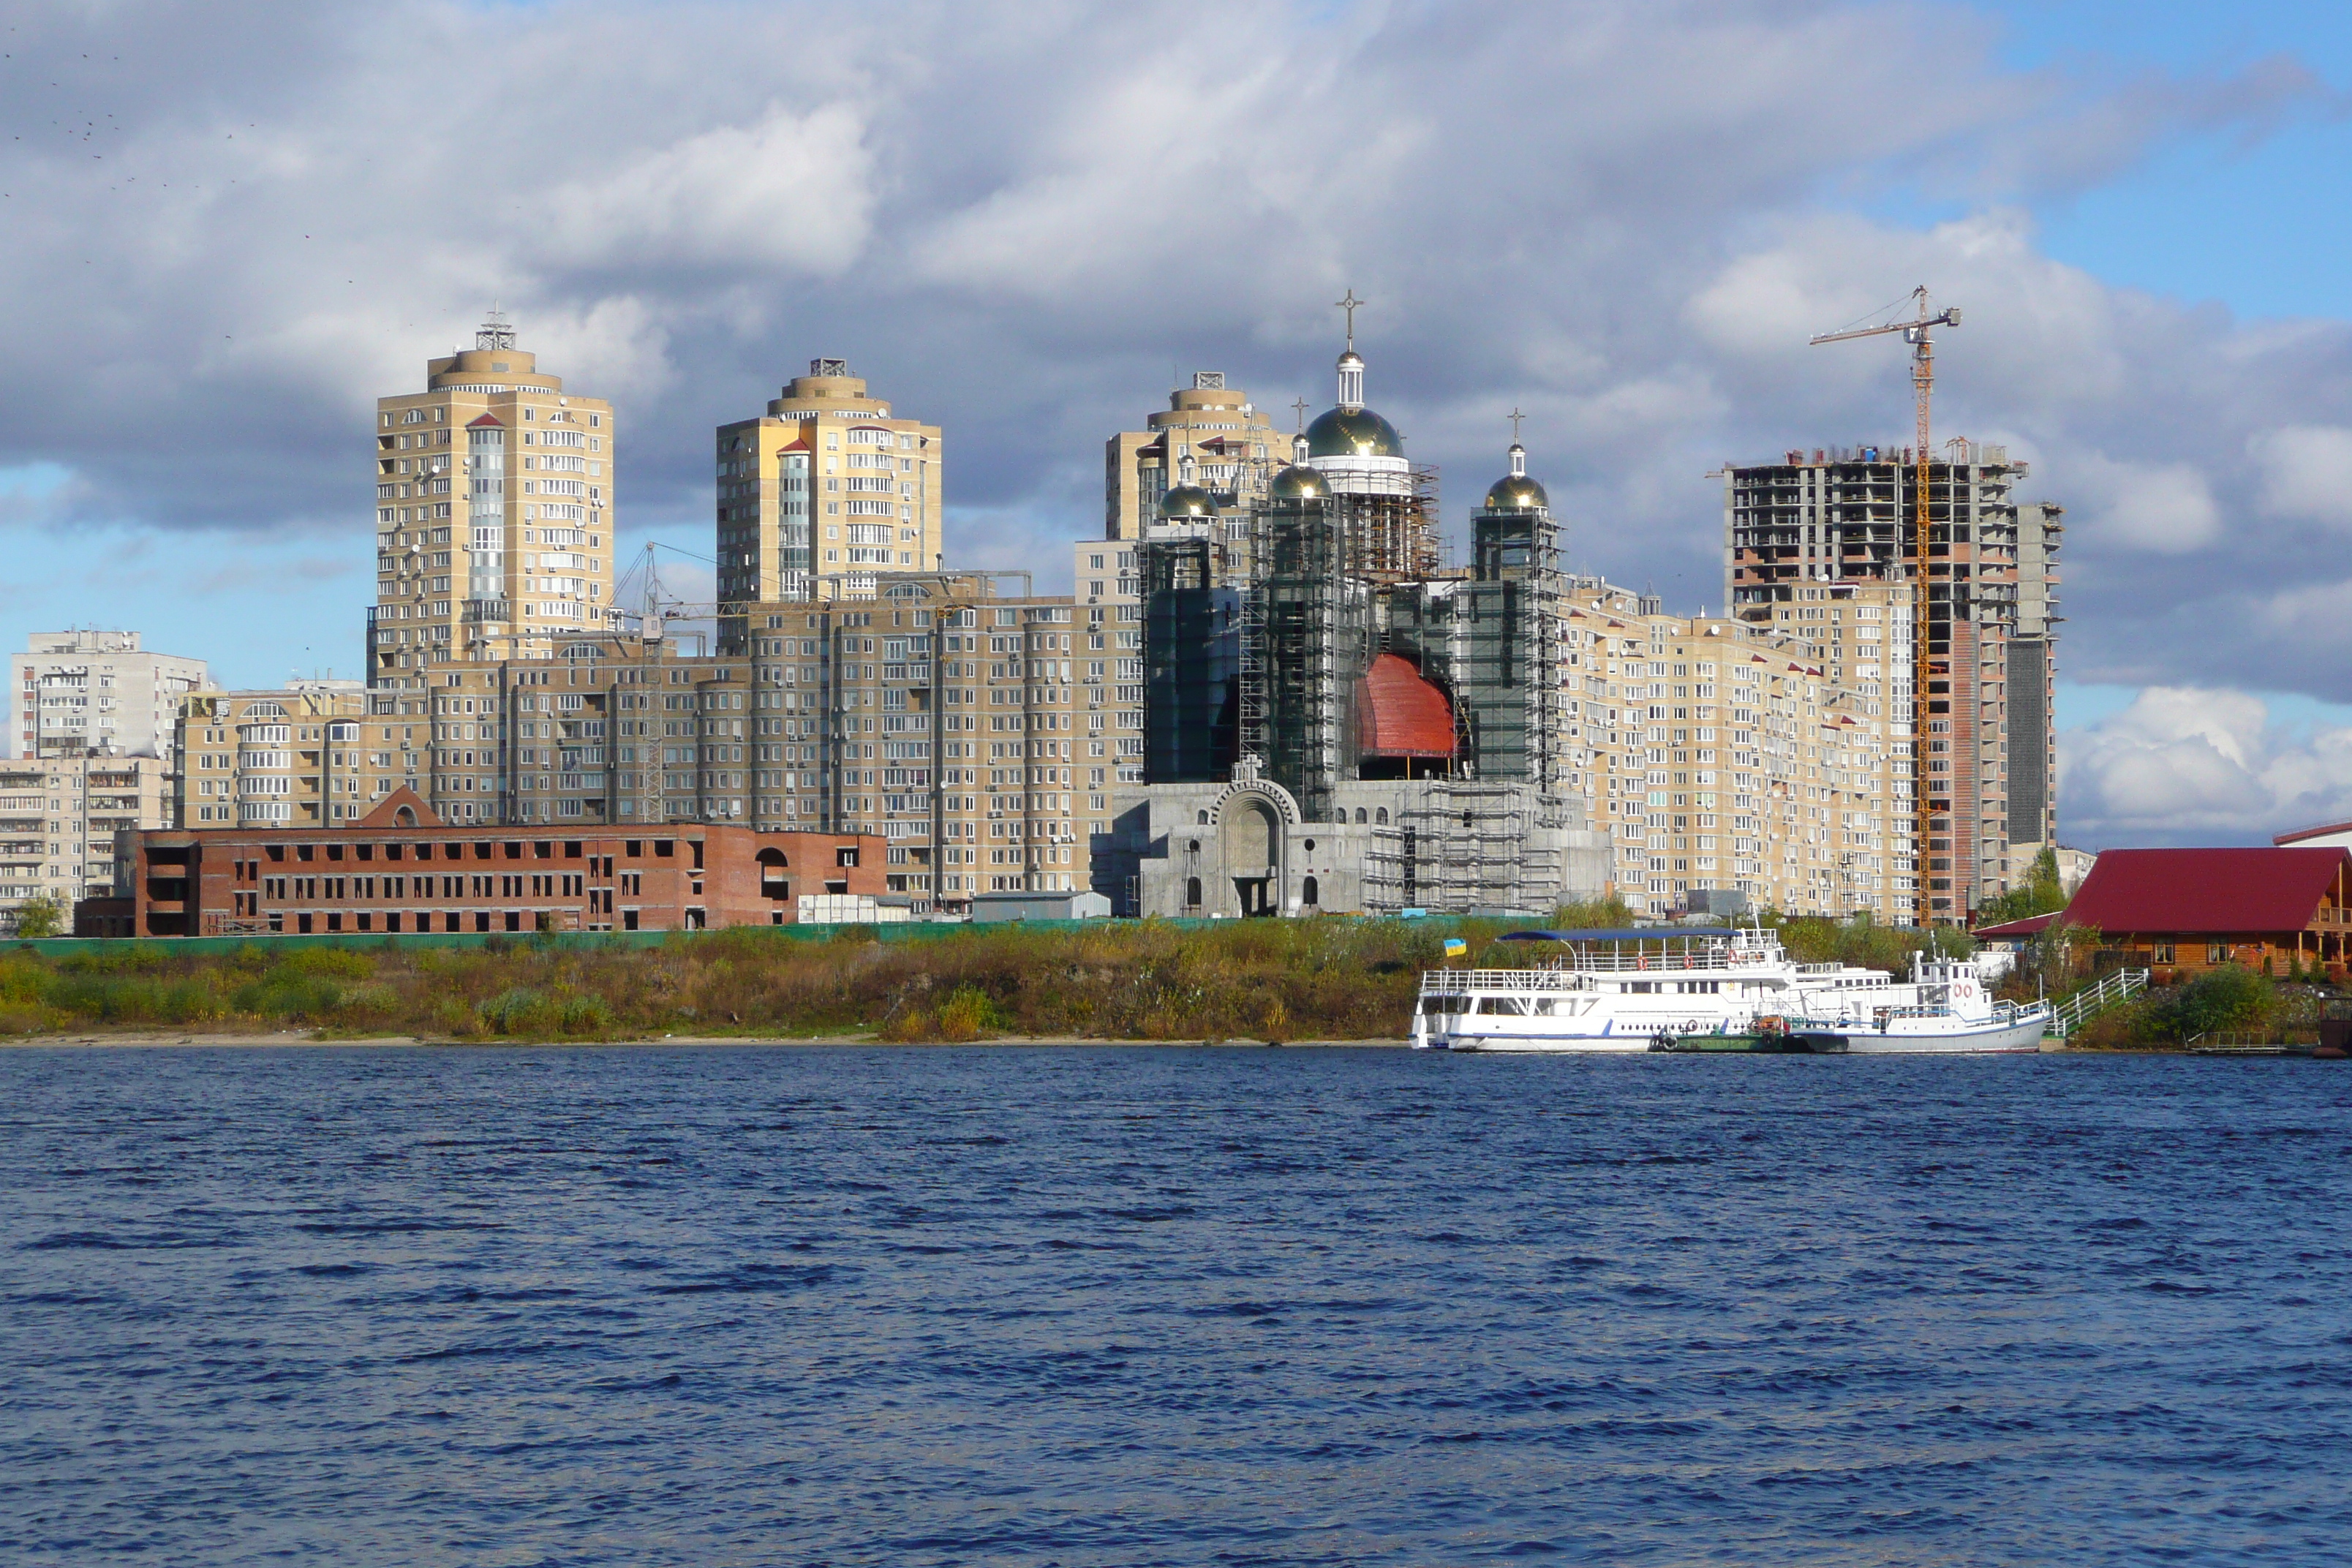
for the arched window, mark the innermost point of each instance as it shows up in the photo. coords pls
(1192, 892)
(1360, 815)
(1382, 817)
(1309, 894)
(1200, 818)
(406, 816)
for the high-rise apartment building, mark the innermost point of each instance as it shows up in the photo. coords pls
(494, 514)
(1742, 755)
(826, 487)
(97, 692)
(94, 733)
(1211, 438)
(1837, 515)
(63, 822)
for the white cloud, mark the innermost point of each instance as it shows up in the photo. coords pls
(2167, 508)
(1017, 220)
(2185, 765)
(2306, 472)
(790, 190)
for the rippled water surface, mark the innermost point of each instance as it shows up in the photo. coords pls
(1139, 1306)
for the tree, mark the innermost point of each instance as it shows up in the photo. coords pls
(2039, 894)
(42, 916)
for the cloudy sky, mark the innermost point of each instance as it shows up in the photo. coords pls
(225, 230)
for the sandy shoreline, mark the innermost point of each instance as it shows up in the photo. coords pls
(294, 1037)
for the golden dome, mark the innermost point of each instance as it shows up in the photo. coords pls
(1516, 492)
(1187, 501)
(1299, 483)
(1352, 432)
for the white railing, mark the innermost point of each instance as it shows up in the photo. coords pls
(2114, 991)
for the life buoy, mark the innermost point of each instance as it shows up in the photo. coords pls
(1641, 960)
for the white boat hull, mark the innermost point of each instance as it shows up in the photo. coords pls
(2016, 1035)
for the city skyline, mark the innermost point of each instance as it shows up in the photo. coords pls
(2194, 448)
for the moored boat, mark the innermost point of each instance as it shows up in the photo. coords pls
(1688, 988)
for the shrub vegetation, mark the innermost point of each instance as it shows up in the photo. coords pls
(1318, 979)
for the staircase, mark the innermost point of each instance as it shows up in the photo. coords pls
(2112, 992)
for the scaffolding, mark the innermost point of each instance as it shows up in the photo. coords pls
(1307, 640)
(1471, 846)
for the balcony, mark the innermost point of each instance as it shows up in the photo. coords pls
(482, 612)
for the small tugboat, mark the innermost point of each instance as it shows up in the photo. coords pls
(1770, 1036)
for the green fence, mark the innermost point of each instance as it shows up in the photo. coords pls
(901, 930)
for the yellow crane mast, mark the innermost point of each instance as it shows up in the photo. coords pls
(1914, 330)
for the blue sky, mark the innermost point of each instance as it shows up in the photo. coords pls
(2262, 228)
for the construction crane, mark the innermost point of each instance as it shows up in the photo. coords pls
(1915, 330)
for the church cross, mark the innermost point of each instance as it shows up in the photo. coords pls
(1350, 304)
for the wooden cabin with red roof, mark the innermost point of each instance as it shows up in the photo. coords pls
(2186, 910)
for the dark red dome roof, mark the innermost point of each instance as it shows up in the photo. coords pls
(1399, 714)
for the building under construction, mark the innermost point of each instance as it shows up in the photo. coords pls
(1850, 514)
(1330, 724)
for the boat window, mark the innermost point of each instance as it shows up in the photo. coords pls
(1507, 1005)
(1644, 986)
(1432, 1006)
(1543, 1007)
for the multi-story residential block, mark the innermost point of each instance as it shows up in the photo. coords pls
(975, 727)
(1760, 756)
(494, 514)
(1232, 447)
(1852, 515)
(825, 488)
(315, 753)
(97, 756)
(99, 692)
(64, 821)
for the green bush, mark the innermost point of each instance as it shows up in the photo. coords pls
(2229, 998)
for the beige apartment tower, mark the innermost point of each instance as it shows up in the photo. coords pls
(494, 514)
(1211, 436)
(821, 495)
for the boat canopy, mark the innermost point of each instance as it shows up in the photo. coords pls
(1638, 934)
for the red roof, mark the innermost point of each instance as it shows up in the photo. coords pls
(2325, 829)
(2205, 890)
(2032, 925)
(1399, 714)
(486, 419)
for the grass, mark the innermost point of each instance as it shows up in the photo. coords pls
(1278, 980)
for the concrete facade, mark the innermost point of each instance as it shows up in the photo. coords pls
(65, 824)
(1245, 849)
(97, 691)
(1837, 515)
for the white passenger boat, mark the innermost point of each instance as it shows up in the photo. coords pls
(1690, 988)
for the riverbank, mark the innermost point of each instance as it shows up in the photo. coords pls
(1270, 981)
(290, 1039)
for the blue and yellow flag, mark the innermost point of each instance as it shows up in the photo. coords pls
(1456, 948)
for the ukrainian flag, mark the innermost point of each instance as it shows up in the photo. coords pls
(1456, 948)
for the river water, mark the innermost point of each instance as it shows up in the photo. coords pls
(709, 1306)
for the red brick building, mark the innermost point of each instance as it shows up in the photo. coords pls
(401, 869)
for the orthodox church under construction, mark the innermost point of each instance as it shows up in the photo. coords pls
(1333, 722)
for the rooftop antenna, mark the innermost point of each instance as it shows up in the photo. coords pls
(494, 333)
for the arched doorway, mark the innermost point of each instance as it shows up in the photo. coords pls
(1251, 841)
(1311, 895)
